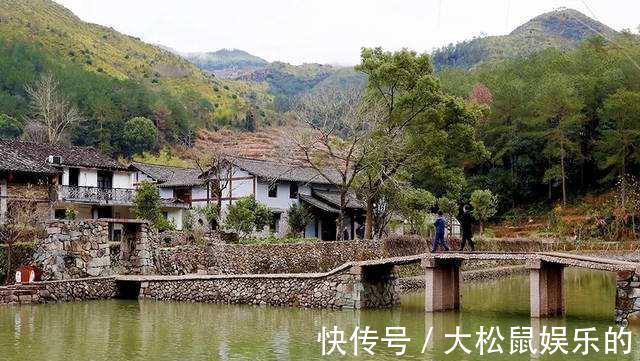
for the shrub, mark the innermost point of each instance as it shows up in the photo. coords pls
(299, 217)
(484, 204)
(70, 214)
(163, 224)
(247, 215)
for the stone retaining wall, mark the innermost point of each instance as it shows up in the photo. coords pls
(279, 258)
(80, 248)
(628, 298)
(345, 287)
(60, 291)
(74, 249)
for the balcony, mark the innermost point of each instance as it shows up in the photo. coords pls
(95, 195)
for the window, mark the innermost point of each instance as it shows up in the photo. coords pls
(273, 190)
(105, 179)
(74, 177)
(293, 190)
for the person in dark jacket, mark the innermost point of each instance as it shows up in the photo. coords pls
(438, 240)
(466, 225)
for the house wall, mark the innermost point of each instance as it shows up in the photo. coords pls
(122, 180)
(88, 178)
(175, 216)
(141, 177)
(280, 203)
(166, 192)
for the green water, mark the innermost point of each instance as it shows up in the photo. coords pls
(131, 330)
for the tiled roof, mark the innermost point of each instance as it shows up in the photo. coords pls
(168, 176)
(286, 172)
(317, 203)
(333, 198)
(25, 156)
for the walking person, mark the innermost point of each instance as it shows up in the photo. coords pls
(438, 240)
(466, 225)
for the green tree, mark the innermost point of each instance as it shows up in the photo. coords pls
(619, 145)
(146, 202)
(211, 213)
(558, 124)
(484, 206)
(422, 128)
(9, 127)
(298, 218)
(139, 135)
(415, 205)
(449, 207)
(246, 215)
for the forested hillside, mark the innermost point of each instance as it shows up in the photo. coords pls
(111, 78)
(559, 124)
(563, 29)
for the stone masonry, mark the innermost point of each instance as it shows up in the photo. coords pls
(628, 298)
(80, 248)
(59, 291)
(349, 286)
(74, 249)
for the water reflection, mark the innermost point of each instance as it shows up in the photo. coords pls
(130, 330)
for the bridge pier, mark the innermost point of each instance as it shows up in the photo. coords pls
(374, 286)
(546, 289)
(442, 284)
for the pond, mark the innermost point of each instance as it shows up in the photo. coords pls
(131, 330)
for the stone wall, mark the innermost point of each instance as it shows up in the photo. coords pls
(628, 298)
(278, 258)
(80, 248)
(60, 291)
(74, 249)
(344, 287)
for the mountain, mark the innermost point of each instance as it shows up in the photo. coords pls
(227, 63)
(98, 49)
(283, 82)
(563, 29)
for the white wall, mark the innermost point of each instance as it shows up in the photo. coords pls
(65, 176)
(122, 180)
(166, 192)
(175, 215)
(88, 177)
(281, 202)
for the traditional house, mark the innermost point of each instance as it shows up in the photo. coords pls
(279, 185)
(24, 179)
(179, 188)
(70, 178)
(96, 186)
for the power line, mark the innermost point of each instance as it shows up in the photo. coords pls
(605, 36)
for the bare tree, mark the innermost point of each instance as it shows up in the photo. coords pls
(52, 113)
(334, 144)
(218, 171)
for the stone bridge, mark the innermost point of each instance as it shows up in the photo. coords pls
(442, 279)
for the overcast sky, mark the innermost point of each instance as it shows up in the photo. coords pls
(328, 31)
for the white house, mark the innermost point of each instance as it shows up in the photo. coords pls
(279, 185)
(179, 188)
